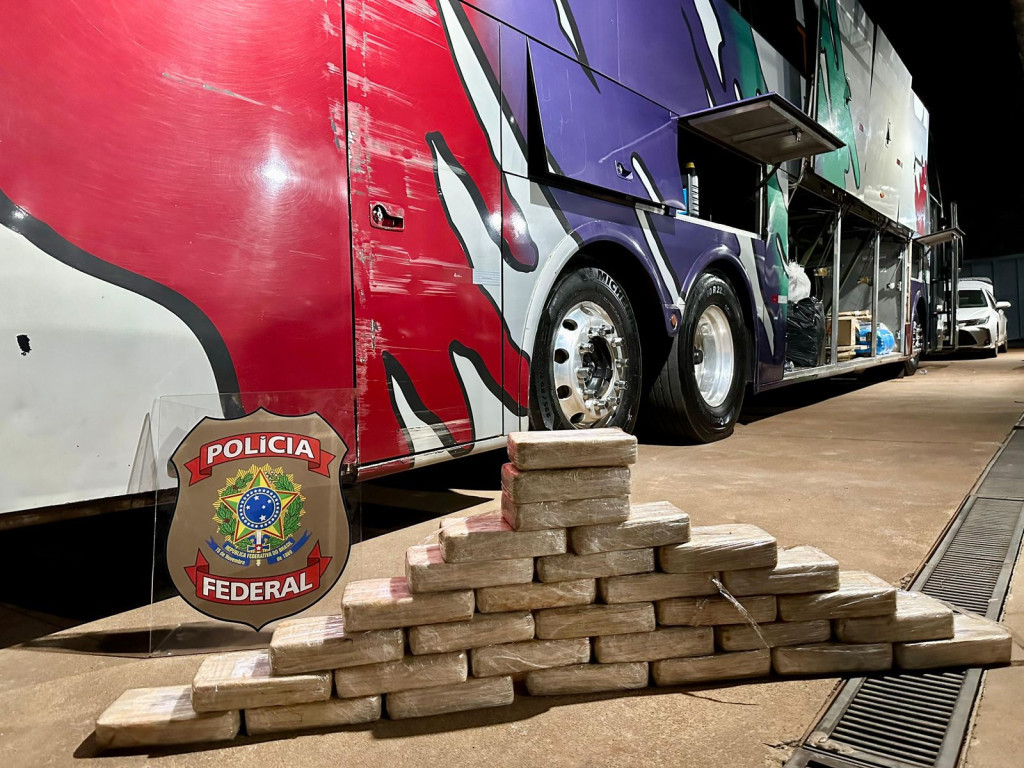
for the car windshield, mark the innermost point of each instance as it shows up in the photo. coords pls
(972, 299)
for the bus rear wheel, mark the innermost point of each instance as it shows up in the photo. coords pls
(699, 391)
(586, 369)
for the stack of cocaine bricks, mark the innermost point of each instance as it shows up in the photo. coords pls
(568, 588)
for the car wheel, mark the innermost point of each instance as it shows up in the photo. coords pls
(586, 366)
(699, 390)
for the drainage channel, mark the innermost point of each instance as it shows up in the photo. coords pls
(919, 720)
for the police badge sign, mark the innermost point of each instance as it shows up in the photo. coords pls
(259, 529)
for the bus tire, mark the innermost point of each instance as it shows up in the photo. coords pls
(700, 389)
(586, 368)
(917, 348)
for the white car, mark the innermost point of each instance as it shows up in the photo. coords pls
(980, 321)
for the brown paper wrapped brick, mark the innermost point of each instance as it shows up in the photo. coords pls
(645, 587)
(528, 597)
(860, 594)
(564, 484)
(669, 643)
(486, 537)
(473, 694)
(320, 714)
(832, 659)
(721, 666)
(515, 658)
(406, 674)
(427, 571)
(482, 629)
(800, 570)
(976, 642)
(599, 564)
(712, 611)
(917, 618)
(389, 603)
(564, 449)
(149, 717)
(743, 637)
(731, 547)
(563, 514)
(594, 620)
(321, 643)
(648, 525)
(587, 678)
(244, 680)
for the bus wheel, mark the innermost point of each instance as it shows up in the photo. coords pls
(586, 366)
(699, 392)
(917, 347)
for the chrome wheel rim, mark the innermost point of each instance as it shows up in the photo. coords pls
(714, 358)
(589, 365)
(918, 339)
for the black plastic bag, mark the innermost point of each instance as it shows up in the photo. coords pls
(805, 333)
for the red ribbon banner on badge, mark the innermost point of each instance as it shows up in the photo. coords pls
(257, 591)
(259, 445)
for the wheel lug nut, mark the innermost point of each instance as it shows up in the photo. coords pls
(586, 348)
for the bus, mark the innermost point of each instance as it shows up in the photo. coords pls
(439, 221)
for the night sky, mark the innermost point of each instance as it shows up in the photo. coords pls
(967, 70)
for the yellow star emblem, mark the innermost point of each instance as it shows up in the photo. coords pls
(259, 508)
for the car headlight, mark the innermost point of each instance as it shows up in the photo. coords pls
(967, 322)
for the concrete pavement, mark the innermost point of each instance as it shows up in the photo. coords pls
(870, 474)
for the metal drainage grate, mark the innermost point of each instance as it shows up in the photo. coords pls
(919, 720)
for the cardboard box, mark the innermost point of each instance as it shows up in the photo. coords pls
(321, 643)
(149, 717)
(648, 525)
(389, 603)
(244, 680)
(564, 449)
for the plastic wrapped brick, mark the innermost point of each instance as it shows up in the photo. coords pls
(594, 620)
(713, 611)
(648, 525)
(321, 643)
(427, 571)
(743, 637)
(149, 717)
(515, 658)
(485, 537)
(667, 643)
(533, 596)
(799, 570)
(860, 594)
(587, 678)
(720, 666)
(244, 679)
(600, 564)
(403, 675)
(565, 449)
(473, 694)
(917, 618)
(389, 603)
(976, 642)
(832, 659)
(730, 547)
(563, 514)
(643, 587)
(482, 629)
(320, 714)
(564, 484)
